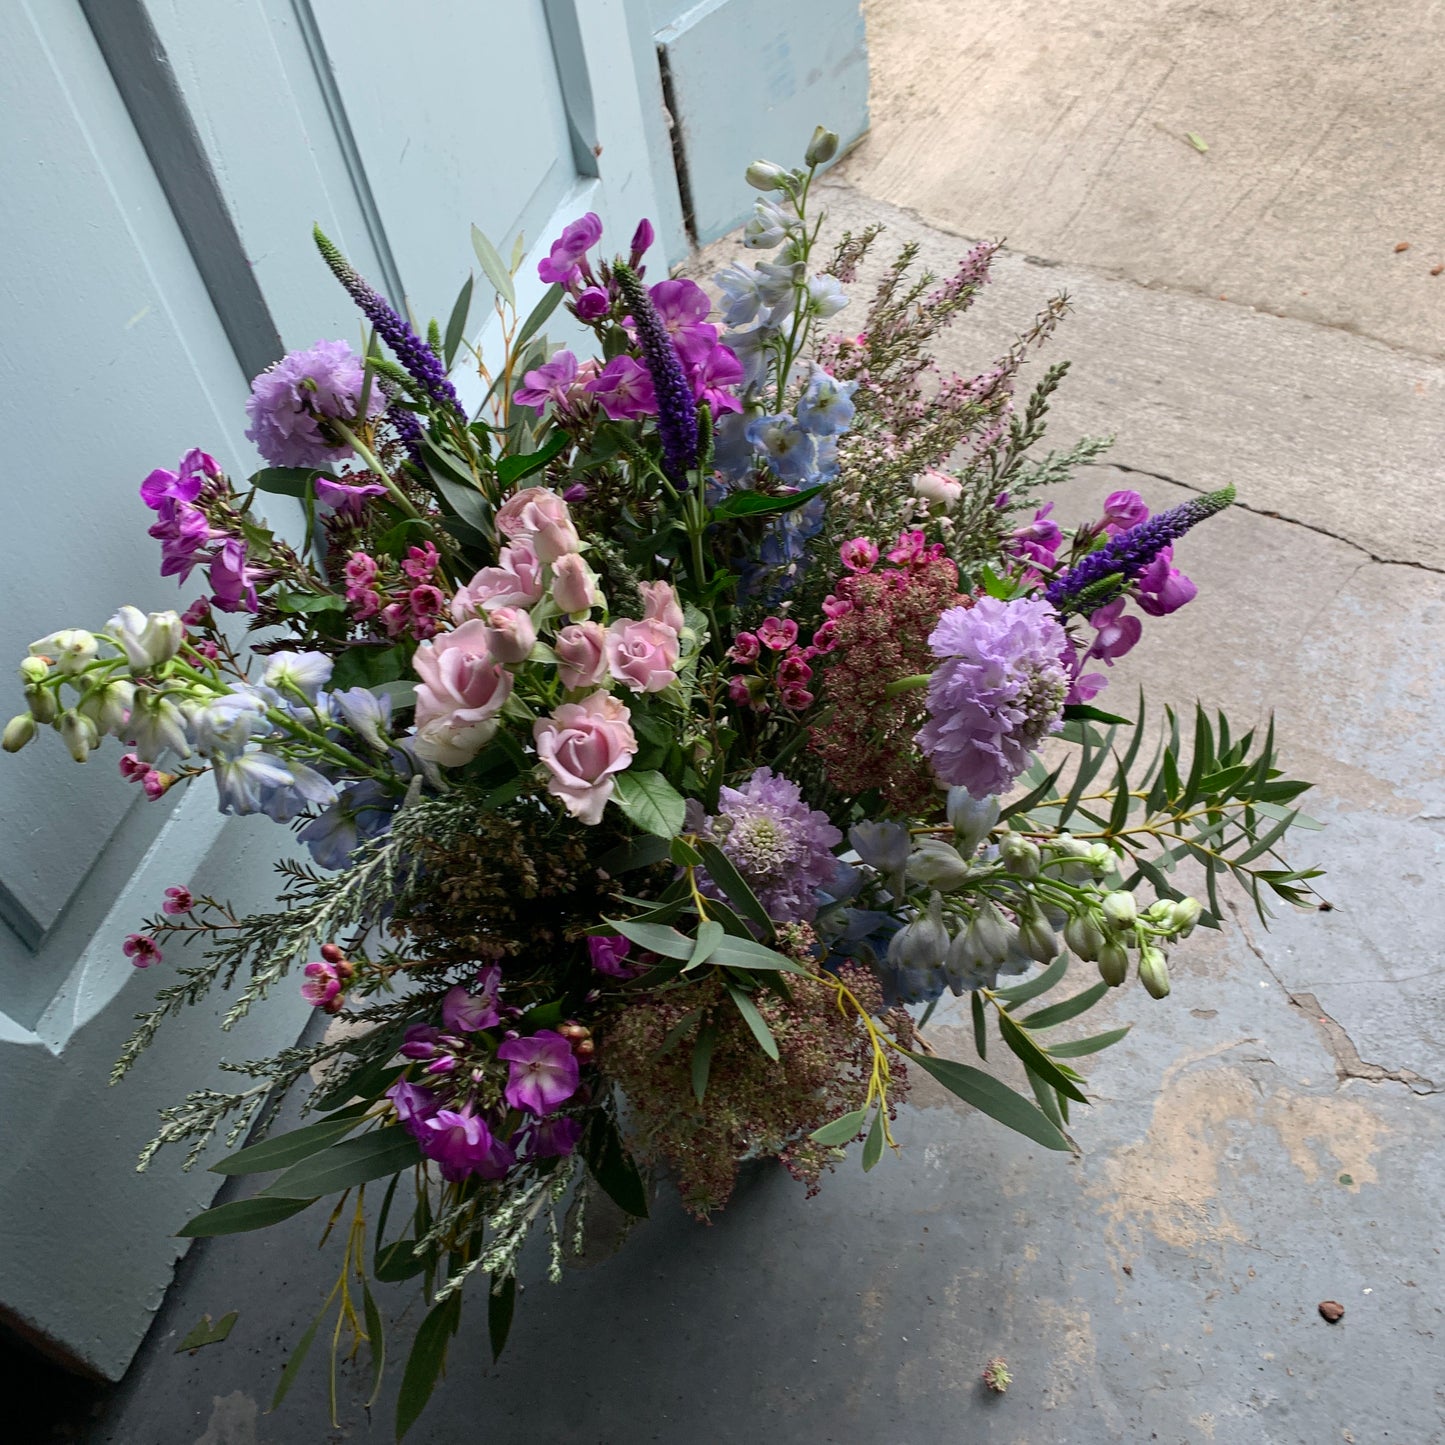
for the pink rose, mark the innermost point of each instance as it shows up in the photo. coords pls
(574, 584)
(660, 604)
(582, 654)
(583, 744)
(461, 692)
(541, 518)
(642, 655)
(516, 581)
(510, 635)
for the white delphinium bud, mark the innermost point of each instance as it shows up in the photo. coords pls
(765, 176)
(1020, 855)
(18, 731)
(1113, 963)
(147, 639)
(1153, 971)
(1036, 938)
(972, 819)
(34, 669)
(937, 864)
(1183, 915)
(990, 935)
(922, 943)
(41, 701)
(1121, 909)
(71, 647)
(78, 734)
(108, 706)
(822, 148)
(1084, 936)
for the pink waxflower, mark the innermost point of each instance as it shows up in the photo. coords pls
(859, 555)
(778, 633)
(793, 670)
(178, 900)
(607, 952)
(516, 581)
(461, 692)
(360, 571)
(836, 607)
(660, 604)
(424, 605)
(1123, 510)
(510, 635)
(582, 745)
(322, 988)
(198, 614)
(421, 562)
(543, 1073)
(745, 649)
(825, 637)
(131, 767)
(911, 547)
(574, 584)
(156, 784)
(1117, 633)
(642, 655)
(141, 949)
(541, 519)
(796, 698)
(1161, 588)
(581, 650)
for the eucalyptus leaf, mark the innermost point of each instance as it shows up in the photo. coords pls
(840, 1131)
(994, 1098)
(493, 266)
(241, 1215)
(424, 1363)
(754, 1020)
(282, 1150)
(375, 1155)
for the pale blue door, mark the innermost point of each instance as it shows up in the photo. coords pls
(161, 166)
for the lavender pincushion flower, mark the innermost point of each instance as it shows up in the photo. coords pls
(290, 402)
(781, 846)
(998, 693)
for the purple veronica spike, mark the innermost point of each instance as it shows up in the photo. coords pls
(1128, 554)
(676, 409)
(423, 365)
(405, 424)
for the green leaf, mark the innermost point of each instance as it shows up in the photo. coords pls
(494, 267)
(990, 1096)
(755, 1021)
(384, 1151)
(840, 1131)
(1023, 992)
(1264, 844)
(368, 667)
(297, 1359)
(1119, 812)
(650, 801)
(749, 954)
(684, 854)
(285, 481)
(457, 323)
(398, 1261)
(635, 853)
(1083, 712)
(283, 1150)
(654, 937)
(734, 886)
(1030, 799)
(612, 1166)
(1077, 1048)
(424, 1363)
(501, 1305)
(1035, 1058)
(675, 1035)
(206, 1333)
(709, 935)
(757, 504)
(702, 1057)
(538, 316)
(1065, 1009)
(307, 602)
(873, 1144)
(241, 1215)
(1197, 142)
(511, 470)
(1048, 1100)
(980, 1024)
(375, 1338)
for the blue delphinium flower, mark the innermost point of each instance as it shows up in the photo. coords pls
(245, 780)
(826, 406)
(224, 726)
(366, 714)
(297, 674)
(786, 448)
(362, 812)
(307, 789)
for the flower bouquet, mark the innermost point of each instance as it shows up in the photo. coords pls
(661, 743)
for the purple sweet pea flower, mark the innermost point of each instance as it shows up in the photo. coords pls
(548, 383)
(1161, 588)
(466, 1013)
(233, 582)
(563, 262)
(1117, 633)
(555, 1137)
(592, 304)
(462, 1144)
(624, 388)
(544, 1073)
(1123, 510)
(413, 1103)
(607, 951)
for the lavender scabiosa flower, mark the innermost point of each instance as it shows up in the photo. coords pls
(422, 364)
(997, 694)
(1102, 575)
(778, 843)
(676, 409)
(291, 402)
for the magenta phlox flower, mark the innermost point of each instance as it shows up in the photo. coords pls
(1042, 531)
(997, 693)
(544, 1073)
(182, 530)
(642, 239)
(713, 370)
(681, 304)
(462, 1144)
(466, 1013)
(549, 383)
(592, 303)
(233, 579)
(291, 402)
(1161, 588)
(1116, 632)
(414, 1103)
(554, 1138)
(345, 497)
(162, 486)
(1123, 510)
(564, 261)
(607, 952)
(422, 1042)
(624, 388)
(141, 949)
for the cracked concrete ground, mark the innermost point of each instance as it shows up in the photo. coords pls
(1267, 1138)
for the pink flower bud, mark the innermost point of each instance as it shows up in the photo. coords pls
(574, 584)
(660, 604)
(510, 635)
(581, 654)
